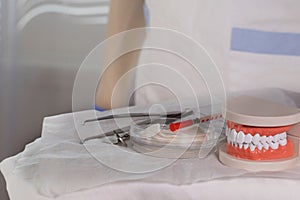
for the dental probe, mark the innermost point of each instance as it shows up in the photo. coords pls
(168, 115)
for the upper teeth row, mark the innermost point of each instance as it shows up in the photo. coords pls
(248, 141)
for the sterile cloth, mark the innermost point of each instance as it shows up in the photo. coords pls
(234, 188)
(58, 164)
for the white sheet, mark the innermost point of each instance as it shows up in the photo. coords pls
(237, 188)
(58, 165)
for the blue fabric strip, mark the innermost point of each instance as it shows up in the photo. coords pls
(146, 14)
(265, 42)
(99, 108)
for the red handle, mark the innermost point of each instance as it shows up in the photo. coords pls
(175, 126)
(178, 125)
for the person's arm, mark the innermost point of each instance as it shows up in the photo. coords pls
(124, 15)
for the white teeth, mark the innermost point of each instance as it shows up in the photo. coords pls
(252, 147)
(233, 136)
(240, 137)
(276, 138)
(230, 136)
(259, 146)
(274, 145)
(266, 146)
(248, 138)
(243, 141)
(283, 142)
(273, 139)
(263, 139)
(282, 136)
(228, 139)
(255, 139)
(269, 139)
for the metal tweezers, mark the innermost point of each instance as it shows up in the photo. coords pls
(175, 114)
(169, 118)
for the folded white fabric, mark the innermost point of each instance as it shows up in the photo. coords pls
(58, 163)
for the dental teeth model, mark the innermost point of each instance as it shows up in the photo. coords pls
(258, 135)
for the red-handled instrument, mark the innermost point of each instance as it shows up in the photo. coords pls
(178, 125)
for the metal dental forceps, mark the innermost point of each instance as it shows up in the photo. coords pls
(121, 139)
(169, 118)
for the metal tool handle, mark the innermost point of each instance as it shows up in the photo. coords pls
(168, 115)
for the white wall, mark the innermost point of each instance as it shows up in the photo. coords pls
(38, 63)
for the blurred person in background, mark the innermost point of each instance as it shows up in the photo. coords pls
(255, 44)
